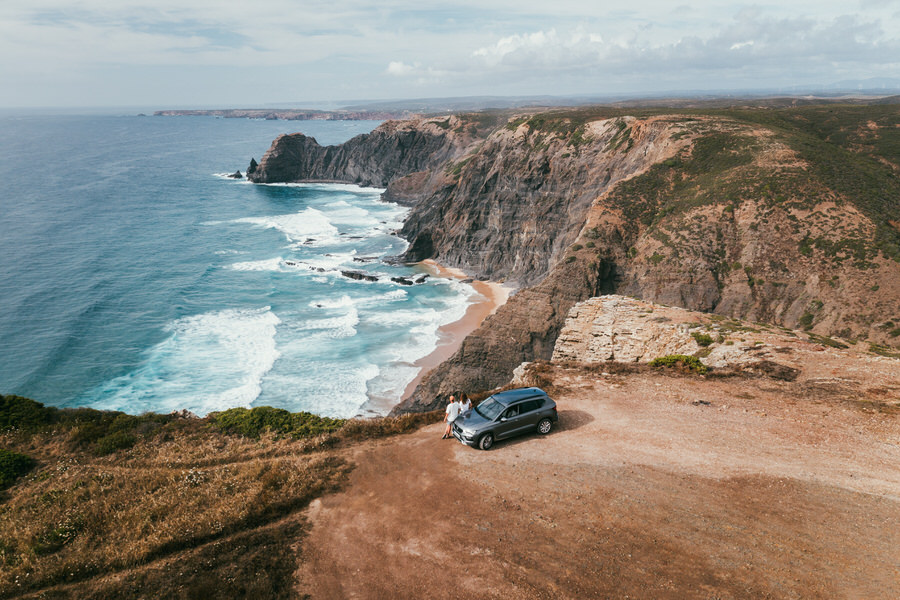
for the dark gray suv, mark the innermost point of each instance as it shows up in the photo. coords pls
(504, 415)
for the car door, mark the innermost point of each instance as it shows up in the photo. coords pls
(529, 415)
(508, 422)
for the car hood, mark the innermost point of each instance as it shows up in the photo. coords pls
(472, 420)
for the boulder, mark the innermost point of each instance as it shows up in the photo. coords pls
(359, 275)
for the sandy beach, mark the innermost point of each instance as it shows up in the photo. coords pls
(492, 294)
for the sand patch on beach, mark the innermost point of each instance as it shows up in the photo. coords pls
(491, 296)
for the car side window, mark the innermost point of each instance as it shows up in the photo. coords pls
(511, 412)
(529, 406)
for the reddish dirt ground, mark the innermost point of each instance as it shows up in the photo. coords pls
(771, 490)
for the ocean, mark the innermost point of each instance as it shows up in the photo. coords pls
(137, 277)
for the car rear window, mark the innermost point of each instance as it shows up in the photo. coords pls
(530, 405)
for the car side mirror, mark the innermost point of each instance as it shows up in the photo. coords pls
(503, 419)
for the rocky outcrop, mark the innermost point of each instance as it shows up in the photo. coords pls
(627, 330)
(394, 150)
(624, 330)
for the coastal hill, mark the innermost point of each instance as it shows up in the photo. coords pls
(788, 216)
(767, 467)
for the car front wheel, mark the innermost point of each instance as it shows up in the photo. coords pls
(486, 441)
(545, 426)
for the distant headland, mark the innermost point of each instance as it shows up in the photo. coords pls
(290, 114)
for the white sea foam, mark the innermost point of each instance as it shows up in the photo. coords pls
(344, 213)
(339, 326)
(309, 224)
(360, 301)
(332, 187)
(338, 393)
(331, 260)
(209, 362)
(341, 302)
(269, 264)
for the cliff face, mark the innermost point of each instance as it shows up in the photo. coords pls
(390, 152)
(790, 218)
(511, 207)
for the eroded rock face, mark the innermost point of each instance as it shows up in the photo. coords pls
(509, 209)
(392, 151)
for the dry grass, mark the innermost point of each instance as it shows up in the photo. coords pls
(178, 513)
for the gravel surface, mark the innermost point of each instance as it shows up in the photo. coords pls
(652, 486)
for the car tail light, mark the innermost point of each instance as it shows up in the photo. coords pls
(554, 408)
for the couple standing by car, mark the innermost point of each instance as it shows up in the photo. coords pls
(455, 409)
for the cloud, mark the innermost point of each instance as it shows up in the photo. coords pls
(392, 48)
(751, 47)
(400, 69)
(542, 48)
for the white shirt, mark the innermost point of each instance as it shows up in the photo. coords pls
(452, 411)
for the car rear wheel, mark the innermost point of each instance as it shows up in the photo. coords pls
(545, 426)
(486, 441)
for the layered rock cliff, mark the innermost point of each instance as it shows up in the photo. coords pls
(382, 158)
(788, 217)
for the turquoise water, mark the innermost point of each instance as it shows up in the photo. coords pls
(137, 277)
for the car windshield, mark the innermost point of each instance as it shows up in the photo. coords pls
(489, 409)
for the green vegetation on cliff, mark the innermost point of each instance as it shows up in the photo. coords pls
(252, 422)
(12, 466)
(848, 152)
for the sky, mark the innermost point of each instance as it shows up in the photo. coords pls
(239, 54)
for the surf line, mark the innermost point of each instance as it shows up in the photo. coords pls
(491, 296)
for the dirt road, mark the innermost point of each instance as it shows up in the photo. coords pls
(651, 487)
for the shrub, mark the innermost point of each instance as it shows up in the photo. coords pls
(359, 429)
(570, 259)
(252, 422)
(680, 362)
(118, 440)
(806, 320)
(702, 339)
(826, 341)
(17, 412)
(12, 466)
(577, 247)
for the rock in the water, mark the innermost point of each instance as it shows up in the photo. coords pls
(359, 275)
(251, 169)
(236, 175)
(402, 280)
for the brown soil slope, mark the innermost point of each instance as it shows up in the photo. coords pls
(652, 486)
